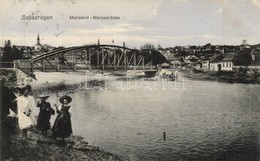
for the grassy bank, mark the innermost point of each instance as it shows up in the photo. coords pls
(39, 147)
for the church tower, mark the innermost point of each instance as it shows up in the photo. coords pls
(38, 46)
(38, 40)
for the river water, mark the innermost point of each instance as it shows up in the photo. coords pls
(202, 120)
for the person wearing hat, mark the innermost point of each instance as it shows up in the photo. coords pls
(26, 110)
(62, 125)
(43, 122)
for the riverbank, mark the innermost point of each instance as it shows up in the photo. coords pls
(227, 77)
(37, 147)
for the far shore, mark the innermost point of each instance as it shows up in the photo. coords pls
(222, 76)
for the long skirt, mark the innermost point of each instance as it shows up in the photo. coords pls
(43, 122)
(62, 126)
(25, 122)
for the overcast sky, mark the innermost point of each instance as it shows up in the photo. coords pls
(164, 22)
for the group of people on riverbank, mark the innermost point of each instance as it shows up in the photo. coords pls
(18, 103)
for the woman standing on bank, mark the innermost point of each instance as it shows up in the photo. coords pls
(62, 125)
(26, 110)
(43, 122)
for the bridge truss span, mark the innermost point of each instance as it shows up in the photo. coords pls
(88, 57)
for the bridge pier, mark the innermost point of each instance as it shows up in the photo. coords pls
(88, 59)
(114, 61)
(58, 63)
(43, 66)
(134, 60)
(124, 52)
(98, 58)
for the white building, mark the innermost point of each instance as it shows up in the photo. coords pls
(215, 62)
(222, 62)
(227, 63)
(205, 61)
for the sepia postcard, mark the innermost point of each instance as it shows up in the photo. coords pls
(134, 80)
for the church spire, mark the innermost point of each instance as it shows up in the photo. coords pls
(38, 40)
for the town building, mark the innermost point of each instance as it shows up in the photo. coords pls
(190, 60)
(205, 61)
(227, 63)
(215, 62)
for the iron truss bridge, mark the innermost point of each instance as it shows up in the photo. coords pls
(90, 57)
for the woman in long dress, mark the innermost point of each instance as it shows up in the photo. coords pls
(26, 111)
(43, 122)
(62, 125)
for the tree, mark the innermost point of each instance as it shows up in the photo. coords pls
(152, 55)
(148, 46)
(159, 46)
(243, 57)
(11, 54)
(8, 43)
(157, 58)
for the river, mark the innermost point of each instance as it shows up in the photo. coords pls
(202, 120)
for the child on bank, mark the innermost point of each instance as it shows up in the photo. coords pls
(43, 122)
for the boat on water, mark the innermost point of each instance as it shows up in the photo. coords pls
(171, 77)
(167, 74)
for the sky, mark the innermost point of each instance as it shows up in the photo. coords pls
(165, 22)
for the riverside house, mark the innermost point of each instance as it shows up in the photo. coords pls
(190, 60)
(205, 61)
(221, 62)
(227, 62)
(215, 62)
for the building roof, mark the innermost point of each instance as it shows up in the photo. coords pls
(217, 58)
(189, 57)
(228, 57)
(207, 56)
